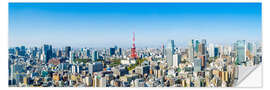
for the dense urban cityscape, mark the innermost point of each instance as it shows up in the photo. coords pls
(202, 64)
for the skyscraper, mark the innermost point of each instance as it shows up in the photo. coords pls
(119, 51)
(176, 60)
(203, 46)
(58, 53)
(211, 50)
(94, 55)
(112, 51)
(95, 67)
(47, 53)
(254, 49)
(162, 51)
(251, 47)
(241, 51)
(170, 52)
(72, 57)
(197, 43)
(197, 65)
(203, 62)
(88, 52)
(67, 51)
(23, 50)
(17, 51)
(191, 49)
(216, 52)
(34, 52)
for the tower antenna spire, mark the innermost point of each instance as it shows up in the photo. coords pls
(133, 49)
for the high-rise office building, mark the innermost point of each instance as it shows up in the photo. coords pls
(203, 62)
(47, 53)
(251, 47)
(94, 55)
(67, 51)
(23, 50)
(11, 51)
(112, 51)
(95, 67)
(211, 50)
(204, 46)
(119, 51)
(34, 52)
(254, 53)
(197, 43)
(191, 49)
(216, 52)
(115, 47)
(176, 60)
(88, 52)
(58, 53)
(72, 57)
(17, 51)
(170, 52)
(197, 64)
(163, 51)
(241, 51)
(85, 53)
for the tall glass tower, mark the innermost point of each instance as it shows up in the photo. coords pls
(191, 49)
(204, 46)
(197, 43)
(47, 53)
(241, 51)
(170, 52)
(94, 56)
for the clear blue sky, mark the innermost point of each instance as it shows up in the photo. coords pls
(109, 24)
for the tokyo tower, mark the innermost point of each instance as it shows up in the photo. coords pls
(133, 49)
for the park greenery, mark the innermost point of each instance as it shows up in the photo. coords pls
(115, 62)
(138, 62)
(82, 60)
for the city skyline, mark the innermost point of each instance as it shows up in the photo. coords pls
(195, 66)
(109, 24)
(134, 44)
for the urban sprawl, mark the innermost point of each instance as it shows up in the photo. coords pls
(198, 65)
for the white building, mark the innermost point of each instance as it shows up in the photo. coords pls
(176, 60)
(211, 50)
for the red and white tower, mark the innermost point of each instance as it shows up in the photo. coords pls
(133, 49)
